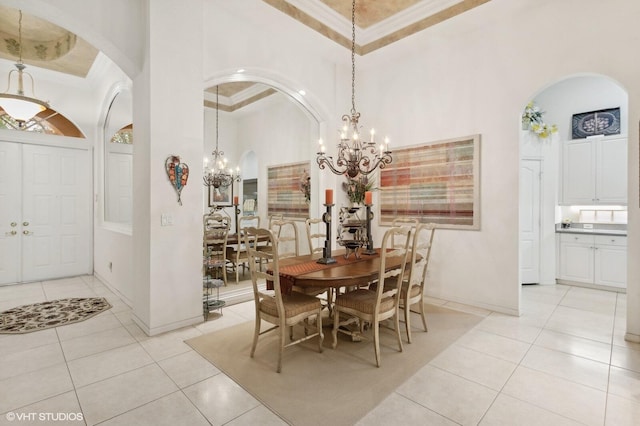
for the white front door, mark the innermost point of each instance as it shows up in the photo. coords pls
(530, 221)
(53, 217)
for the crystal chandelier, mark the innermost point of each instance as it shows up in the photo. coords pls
(355, 155)
(20, 107)
(218, 175)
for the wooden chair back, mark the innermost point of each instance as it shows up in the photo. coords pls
(316, 234)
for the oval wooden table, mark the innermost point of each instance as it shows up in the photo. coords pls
(304, 272)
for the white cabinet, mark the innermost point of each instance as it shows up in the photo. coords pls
(594, 171)
(576, 258)
(593, 259)
(610, 261)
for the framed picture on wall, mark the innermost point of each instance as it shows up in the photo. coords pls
(593, 123)
(437, 182)
(284, 194)
(221, 197)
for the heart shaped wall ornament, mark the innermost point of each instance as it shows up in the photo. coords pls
(178, 174)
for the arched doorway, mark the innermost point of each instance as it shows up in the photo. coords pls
(544, 199)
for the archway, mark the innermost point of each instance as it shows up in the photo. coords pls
(559, 102)
(282, 117)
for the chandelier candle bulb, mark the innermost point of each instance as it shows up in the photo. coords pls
(328, 196)
(373, 132)
(235, 200)
(368, 198)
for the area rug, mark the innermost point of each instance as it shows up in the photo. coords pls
(336, 387)
(40, 316)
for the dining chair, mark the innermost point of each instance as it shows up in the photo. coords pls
(239, 254)
(215, 232)
(286, 232)
(316, 235)
(412, 292)
(404, 221)
(375, 306)
(315, 230)
(282, 310)
(274, 218)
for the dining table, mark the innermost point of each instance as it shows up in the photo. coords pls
(348, 271)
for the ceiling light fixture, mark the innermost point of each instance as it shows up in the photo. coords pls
(218, 175)
(353, 152)
(20, 107)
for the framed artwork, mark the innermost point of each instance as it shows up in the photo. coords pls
(285, 195)
(437, 183)
(592, 123)
(221, 197)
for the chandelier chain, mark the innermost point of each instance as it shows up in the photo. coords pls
(217, 111)
(20, 37)
(353, 57)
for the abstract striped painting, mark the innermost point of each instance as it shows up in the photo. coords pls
(437, 182)
(284, 195)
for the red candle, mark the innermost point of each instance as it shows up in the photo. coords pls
(328, 196)
(368, 198)
(235, 200)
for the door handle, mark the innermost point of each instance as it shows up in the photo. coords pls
(25, 223)
(10, 234)
(27, 232)
(13, 224)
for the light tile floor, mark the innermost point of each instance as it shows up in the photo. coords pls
(563, 362)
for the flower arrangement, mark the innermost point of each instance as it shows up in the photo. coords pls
(543, 130)
(305, 185)
(532, 114)
(532, 120)
(356, 188)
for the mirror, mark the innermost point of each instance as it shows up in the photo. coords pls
(260, 126)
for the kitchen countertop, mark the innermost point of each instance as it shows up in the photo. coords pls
(598, 229)
(592, 231)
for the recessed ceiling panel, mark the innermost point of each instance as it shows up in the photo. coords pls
(44, 44)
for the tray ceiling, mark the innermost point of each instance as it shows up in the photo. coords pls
(378, 24)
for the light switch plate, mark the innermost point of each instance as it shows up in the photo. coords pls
(166, 219)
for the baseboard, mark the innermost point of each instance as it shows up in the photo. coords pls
(489, 307)
(117, 292)
(630, 337)
(167, 327)
(593, 286)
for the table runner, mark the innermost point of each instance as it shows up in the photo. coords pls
(289, 273)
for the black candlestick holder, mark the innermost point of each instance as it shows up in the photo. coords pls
(236, 211)
(369, 249)
(326, 250)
